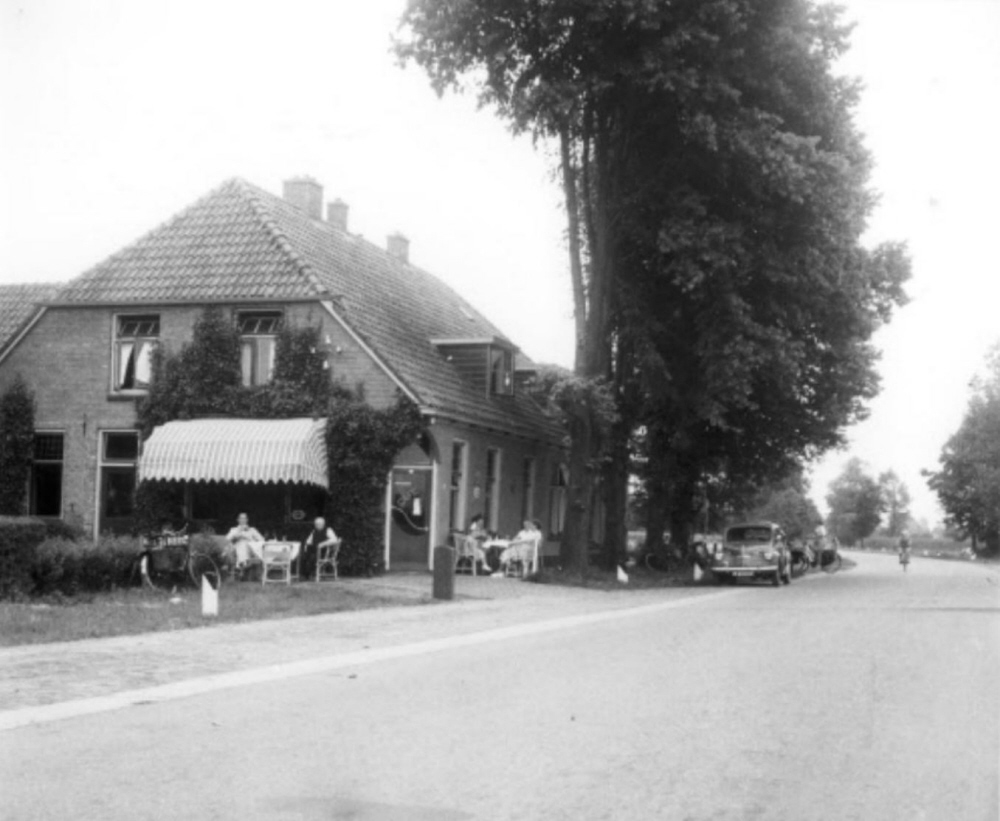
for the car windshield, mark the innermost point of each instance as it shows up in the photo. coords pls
(754, 535)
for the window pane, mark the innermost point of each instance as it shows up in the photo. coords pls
(265, 360)
(126, 364)
(135, 326)
(46, 489)
(259, 323)
(121, 446)
(48, 447)
(118, 492)
(246, 362)
(144, 364)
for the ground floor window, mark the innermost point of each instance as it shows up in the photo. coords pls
(119, 454)
(558, 485)
(46, 488)
(528, 487)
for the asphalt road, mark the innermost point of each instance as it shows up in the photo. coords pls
(870, 694)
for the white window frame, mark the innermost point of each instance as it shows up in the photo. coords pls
(144, 357)
(251, 341)
(103, 463)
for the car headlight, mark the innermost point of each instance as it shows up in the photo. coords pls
(770, 555)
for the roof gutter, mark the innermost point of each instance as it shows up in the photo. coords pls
(175, 303)
(431, 413)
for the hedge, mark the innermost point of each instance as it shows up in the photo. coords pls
(19, 537)
(69, 567)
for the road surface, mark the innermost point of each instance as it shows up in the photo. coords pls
(868, 694)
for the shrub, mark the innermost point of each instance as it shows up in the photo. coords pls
(19, 536)
(69, 567)
(59, 529)
(17, 437)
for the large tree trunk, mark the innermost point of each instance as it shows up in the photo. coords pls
(590, 297)
(615, 496)
(575, 538)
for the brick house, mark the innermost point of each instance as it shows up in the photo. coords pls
(388, 326)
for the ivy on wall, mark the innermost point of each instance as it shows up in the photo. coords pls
(17, 436)
(362, 444)
(204, 379)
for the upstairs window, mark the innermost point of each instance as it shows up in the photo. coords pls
(135, 339)
(501, 371)
(258, 341)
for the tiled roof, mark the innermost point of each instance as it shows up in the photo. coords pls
(18, 304)
(240, 242)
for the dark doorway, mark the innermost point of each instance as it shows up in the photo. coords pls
(409, 534)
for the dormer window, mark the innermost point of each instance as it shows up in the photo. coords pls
(135, 338)
(501, 371)
(258, 342)
(485, 363)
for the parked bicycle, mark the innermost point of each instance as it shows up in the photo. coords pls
(167, 561)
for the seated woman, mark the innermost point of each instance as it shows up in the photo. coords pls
(240, 538)
(476, 536)
(530, 534)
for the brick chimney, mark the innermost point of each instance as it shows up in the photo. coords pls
(399, 246)
(305, 194)
(336, 214)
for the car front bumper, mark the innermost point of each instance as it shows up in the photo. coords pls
(745, 572)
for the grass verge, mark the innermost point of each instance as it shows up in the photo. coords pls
(132, 611)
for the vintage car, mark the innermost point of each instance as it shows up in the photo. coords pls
(756, 550)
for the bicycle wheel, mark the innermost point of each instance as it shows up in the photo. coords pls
(203, 565)
(157, 574)
(834, 564)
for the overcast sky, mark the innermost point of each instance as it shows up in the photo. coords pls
(115, 115)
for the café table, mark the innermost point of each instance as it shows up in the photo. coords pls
(275, 555)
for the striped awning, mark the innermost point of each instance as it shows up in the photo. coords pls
(237, 450)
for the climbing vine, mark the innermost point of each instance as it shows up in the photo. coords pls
(204, 378)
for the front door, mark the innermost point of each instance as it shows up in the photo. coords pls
(409, 529)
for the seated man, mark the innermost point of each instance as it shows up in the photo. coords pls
(319, 536)
(240, 538)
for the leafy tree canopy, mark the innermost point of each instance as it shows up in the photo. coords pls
(896, 501)
(788, 504)
(716, 190)
(856, 503)
(968, 481)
